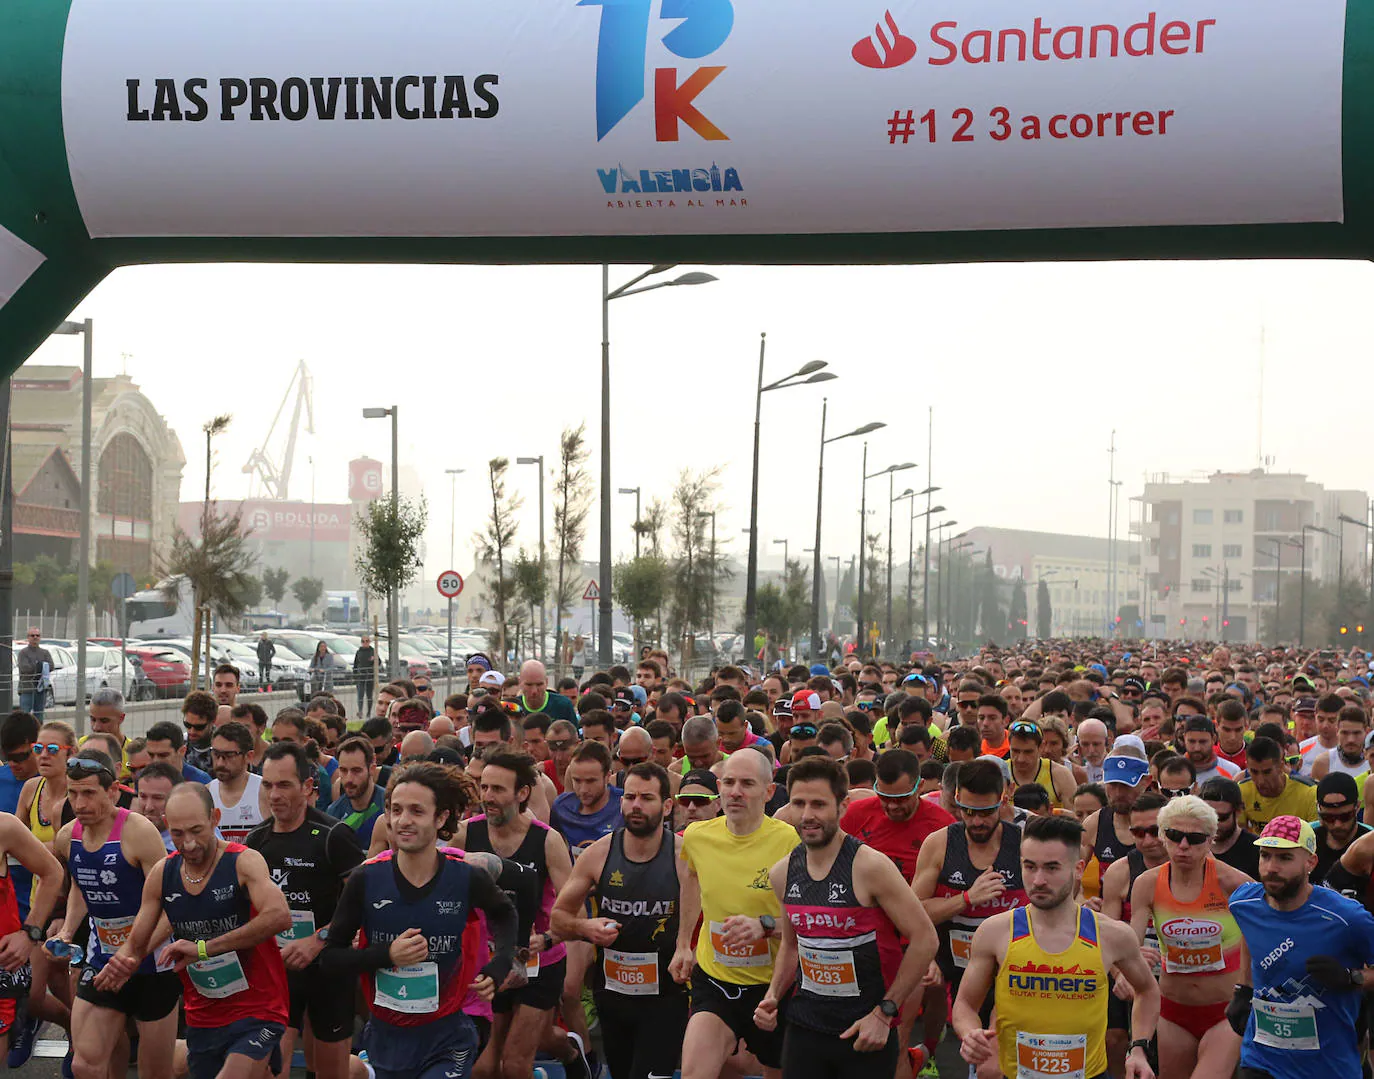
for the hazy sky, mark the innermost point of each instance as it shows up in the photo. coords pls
(1028, 367)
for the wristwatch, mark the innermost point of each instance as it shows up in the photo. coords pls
(34, 933)
(322, 934)
(769, 924)
(888, 1008)
(1140, 1043)
(548, 942)
(1357, 977)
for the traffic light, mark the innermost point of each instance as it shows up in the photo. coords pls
(1359, 628)
(1204, 618)
(1344, 630)
(1225, 621)
(1183, 621)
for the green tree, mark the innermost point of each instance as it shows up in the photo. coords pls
(531, 586)
(47, 580)
(388, 555)
(252, 592)
(492, 544)
(651, 524)
(1044, 613)
(696, 576)
(214, 566)
(641, 586)
(785, 612)
(307, 591)
(1018, 615)
(571, 503)
(874, 597)
(274, 584)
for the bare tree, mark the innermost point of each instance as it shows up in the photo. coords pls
(492, 545)
(571, 503)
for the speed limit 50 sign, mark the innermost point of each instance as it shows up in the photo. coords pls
(450, 583)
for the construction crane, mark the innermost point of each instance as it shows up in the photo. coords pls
(271, 477)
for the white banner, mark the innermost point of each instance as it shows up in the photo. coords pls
(554, 117)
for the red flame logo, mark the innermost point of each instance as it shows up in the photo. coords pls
(886, 48)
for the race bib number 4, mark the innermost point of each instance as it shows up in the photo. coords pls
(1051, 1056)
(632, 974)
(413, 989)
(1286, 1026)
(753, 954)
(828, 974)
(219, 976)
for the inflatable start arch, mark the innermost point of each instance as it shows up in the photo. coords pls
(135, 131)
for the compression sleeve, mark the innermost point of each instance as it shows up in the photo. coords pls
(502, 923)
(339, 955)
(342, 847)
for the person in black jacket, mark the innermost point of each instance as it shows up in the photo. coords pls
(364, 660)
(266, 650)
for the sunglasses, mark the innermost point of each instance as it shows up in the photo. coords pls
(1141, 833)
(1023, 726)
(84, 767)
(195, 728)
(1293, 762)
(967, 704)
(896, 797)
(1195, 839)
(1173, 794)
(1337, 815)
(979, 811)
(226, 754)
(630, 762)
(52, 747)
(865, 706)
(19, 757)
(560, 745)
(698, 800)
(803, 730)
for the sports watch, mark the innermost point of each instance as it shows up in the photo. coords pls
(35, 933)
(769, 924)
(322, 934)
(888, 1008)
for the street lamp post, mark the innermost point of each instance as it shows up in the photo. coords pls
(633, 491)
(83, 569)
(711, 596)
(863, 525)
(452, 474)
(1278, 578)
(393, 598)
(543, 564)
(809, 373)
(939, 574)
(785, 558)
(867, 428)
(1302, 585)
(911, 554)
(892, 501)
(956, 585)
(608, 294)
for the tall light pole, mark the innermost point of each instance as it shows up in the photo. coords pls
(785, 558)
(452, 474)
(925, 569)
(1302, 586)
(711, 596)
(1278, 577)
(911, 524)
(393, 665)
(956, 584)
(939, 573)
(863, 525)
(543, 564)
(83, 568)
(809, 373)
(633, 491)
(911, 556)
(816, 649)
(606, 641)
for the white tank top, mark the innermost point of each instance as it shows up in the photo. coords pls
(1335, 763)
(238, 820)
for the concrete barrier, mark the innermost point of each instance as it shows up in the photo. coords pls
(140, 715)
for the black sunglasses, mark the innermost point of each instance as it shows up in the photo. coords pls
(1195, 839)
(1141, 833)
(84, 768)
(698, 800)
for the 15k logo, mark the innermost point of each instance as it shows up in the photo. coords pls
(622, 56)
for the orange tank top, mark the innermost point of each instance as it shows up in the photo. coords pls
(1198, 937)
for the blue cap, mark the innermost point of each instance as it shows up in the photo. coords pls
(820, 669)
(1126, 770)
(1100, 669)
(641, 695)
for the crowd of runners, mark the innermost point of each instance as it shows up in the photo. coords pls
(1077, 859)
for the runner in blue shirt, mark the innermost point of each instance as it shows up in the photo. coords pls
(1310, 953)
(589, 807)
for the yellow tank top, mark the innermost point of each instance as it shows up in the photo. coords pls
(1052, 1006)
(733, 873)
(43, 829)
(1044, 777)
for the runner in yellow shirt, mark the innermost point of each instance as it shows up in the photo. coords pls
(1268, 791)
(724, 880)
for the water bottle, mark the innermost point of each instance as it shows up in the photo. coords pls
(60, 949)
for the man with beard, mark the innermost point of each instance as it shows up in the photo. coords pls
(414, 914)
(109, 853)
(1048, 965)
(235, 791)
(1305, 965)
(224, 912)
(1338, 810)
(361, 799)
(896, 823)
(1233, 844)
(840, 958)
(1107, 833)
(198, 714)
(1347, 755)
(631, 876)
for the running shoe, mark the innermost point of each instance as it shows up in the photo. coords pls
(23, 1037)
(579, 1067)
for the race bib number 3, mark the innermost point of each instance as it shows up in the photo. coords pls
(1051, 1056)
(828, 974)
(219, 976)
(632, 974)
(753, 954)
(413, 989)
(112, 932)
(302, 926)
(960, 945)
(1286, 1026)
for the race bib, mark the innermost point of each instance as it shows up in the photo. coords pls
(302, 926)
(753, 954)
(532, 966)
(1051, 1056)
(219, 976)
(1285, 1026)
(828, 974)
(112, 932)
(960, 946)
(1193, 956)
(412, 989)
(633, 974)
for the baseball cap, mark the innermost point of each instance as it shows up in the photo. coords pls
(641, 695)
(782, 706)
(1125, 770)
(820, 669)
(1288, 833)
(806, 700)
(1305, 704)
(1340, 787)
(699, 777)
(623, 696)
(1129, 740)
(445, 755)
(1133, 682)
(494, 679)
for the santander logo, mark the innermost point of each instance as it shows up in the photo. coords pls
(885, 47)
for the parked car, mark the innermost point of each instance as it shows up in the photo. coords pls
(167, 669)
(104, 667)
